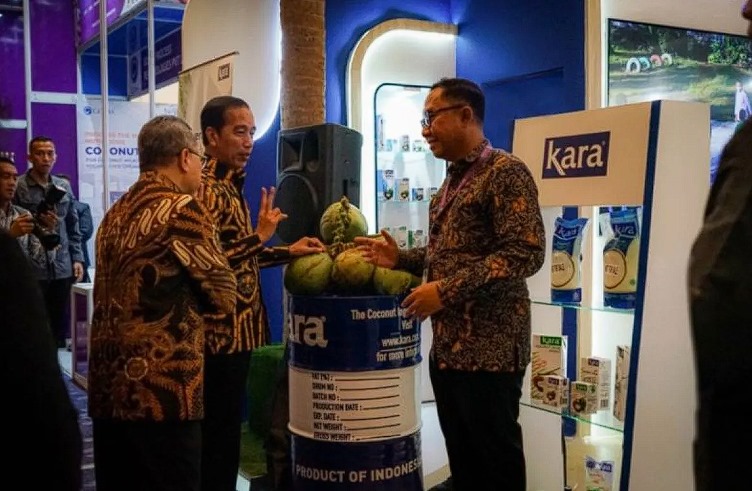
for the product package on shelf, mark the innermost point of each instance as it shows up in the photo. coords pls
(549, 357)
(584, 398)
(566, 259)
(403, 189)
(621, 380)
(386, 184)
(599, 475)
(556, 391)
(597, 371)
(620, 257)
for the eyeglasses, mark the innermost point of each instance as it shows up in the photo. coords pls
(197, 154)
(428, 116)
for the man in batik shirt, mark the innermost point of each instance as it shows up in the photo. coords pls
(159, 269)
(486, 237)
(228, 127)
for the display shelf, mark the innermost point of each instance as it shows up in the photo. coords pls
(594, 308)
(603, 418)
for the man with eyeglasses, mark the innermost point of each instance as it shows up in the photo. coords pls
(228, 127)
(486, 237)
(160, 268)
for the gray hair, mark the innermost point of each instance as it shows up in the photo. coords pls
(161, 139)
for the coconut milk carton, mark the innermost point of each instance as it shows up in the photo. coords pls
(621, 381)
(549, 357)
(556, 391)
(584, 398)
(597, 371)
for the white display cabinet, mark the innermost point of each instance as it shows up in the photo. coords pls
(654, 156)
(407, 174)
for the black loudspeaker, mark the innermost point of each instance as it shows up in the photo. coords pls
(316, 166)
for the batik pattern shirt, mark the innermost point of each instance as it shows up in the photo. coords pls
(248, 328)
(486, 237)
(159, 269)
(29, 243)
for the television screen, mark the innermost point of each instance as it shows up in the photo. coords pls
(648, 62)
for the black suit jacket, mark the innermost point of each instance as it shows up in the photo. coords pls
(41, 436)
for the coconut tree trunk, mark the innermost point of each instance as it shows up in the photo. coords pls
(303, 62)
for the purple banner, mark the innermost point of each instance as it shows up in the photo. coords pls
(167, 64)
(87, 16)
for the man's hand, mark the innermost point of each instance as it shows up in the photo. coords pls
(269, 216)
(21, 226)
(48, 219)
(423, 301)
(78, 271)
(381, 252)
(307, 245)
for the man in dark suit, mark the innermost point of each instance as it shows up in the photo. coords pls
(85, 226)
(42, 438)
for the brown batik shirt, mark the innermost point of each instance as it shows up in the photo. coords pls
(159, 267)
(248, 328)
(486, 237)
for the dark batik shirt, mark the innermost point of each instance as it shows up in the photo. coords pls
(159, 268)
(484, 242)
(248, 328)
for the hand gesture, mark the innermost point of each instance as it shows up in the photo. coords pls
(48, 219)
(269, 216)
(307, 245)
(381, 252)
(21, 226)
(423, 301)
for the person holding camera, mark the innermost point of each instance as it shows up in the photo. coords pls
(17, 221)
(50, 199)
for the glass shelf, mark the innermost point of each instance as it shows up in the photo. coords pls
(392, 202)
(603, 418)
(597, 308)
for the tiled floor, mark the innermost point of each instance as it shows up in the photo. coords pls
(435, 468)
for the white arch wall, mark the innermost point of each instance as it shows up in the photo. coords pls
(213, 28)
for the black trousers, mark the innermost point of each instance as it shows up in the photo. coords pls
(131, 455)
(478, 414)
(56, 297)
(224, 395)
(277, 442)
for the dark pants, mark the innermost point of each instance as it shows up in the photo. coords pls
(224, 396)
(56, 297)
(277, 442)
(478, 414)
(131, 455)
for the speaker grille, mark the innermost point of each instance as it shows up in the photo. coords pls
(296, 196)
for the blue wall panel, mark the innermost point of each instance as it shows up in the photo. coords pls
(117, 75)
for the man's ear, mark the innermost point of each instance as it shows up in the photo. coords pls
(212, 136)
(184, 163)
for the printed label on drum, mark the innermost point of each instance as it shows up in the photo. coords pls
(352, 407)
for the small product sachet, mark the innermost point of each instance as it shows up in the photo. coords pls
(599, 475)
(566, 260)
(620, 257)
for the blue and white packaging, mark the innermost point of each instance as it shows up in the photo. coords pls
(566, 260)
(620, 260)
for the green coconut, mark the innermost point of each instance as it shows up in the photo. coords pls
(309, 275)
(391, 281)
(342, 222)
(351, 272)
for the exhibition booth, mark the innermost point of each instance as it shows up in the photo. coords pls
(578, 89)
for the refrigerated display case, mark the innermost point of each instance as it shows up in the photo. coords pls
(407, 173)
(407, 176)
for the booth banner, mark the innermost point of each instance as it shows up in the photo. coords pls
(87, 15)
(202, 82)
(125, 121)
(167, 64)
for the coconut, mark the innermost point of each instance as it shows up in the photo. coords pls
(308, 275)
(351, 272)
(342, 222)
(391, 281)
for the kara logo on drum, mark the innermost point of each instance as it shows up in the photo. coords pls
(308, 330)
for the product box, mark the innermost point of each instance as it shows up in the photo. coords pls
(418, 194)
(621, 381)
(432, 192)
(386, 184)
(597, 371)
(417, 238)
(549, 357)
(584, 398)
(403, 189)
(401, 237)
(556, 391)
